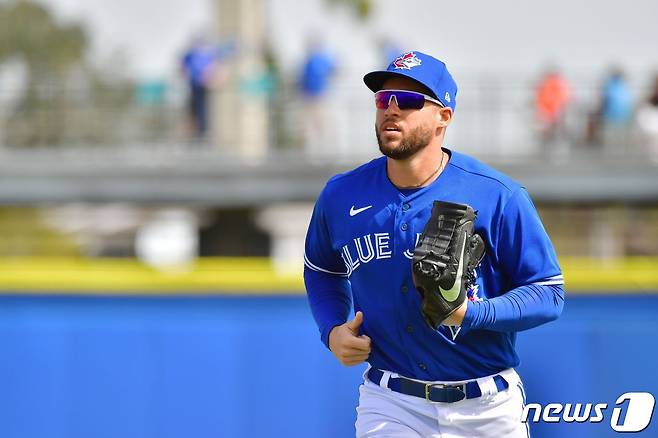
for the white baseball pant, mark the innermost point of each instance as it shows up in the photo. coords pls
(386, 413)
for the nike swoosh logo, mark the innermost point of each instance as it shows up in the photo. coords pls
(354, 212)
(453, 293)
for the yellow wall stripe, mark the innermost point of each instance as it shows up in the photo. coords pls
(259, 276)
(631, 274)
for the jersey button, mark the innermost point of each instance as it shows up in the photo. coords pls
(405, 206)
(410, 329)
(404, 289)
(422, 366)
(404, 227)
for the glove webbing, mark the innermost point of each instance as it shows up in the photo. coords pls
(445, 229)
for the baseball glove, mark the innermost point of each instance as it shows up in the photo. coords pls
(444, 260)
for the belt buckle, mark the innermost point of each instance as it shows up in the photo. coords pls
(428, 386)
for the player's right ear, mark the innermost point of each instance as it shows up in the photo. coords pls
(444, 117)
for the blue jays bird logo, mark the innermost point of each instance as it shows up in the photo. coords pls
(473, 291)
(407, 61)
(472, 294)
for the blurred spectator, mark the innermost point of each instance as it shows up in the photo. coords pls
(552, 99)
(647, 121)
(150, 92)
(150, 113)
(264, 82)
(388, 50)
(608, 125)
(314, 83)
(200, 65)
(275, 107)
(617, 105)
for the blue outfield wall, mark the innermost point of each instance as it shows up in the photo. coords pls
(179, 367)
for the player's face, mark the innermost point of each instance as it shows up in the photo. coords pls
(402, 133)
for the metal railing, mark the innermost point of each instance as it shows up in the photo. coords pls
(493, 119)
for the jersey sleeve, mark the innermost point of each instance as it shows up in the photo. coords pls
(524, 249)
(325, 276)
(319, 253)
(534, 293)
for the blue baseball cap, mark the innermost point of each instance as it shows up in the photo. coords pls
(424, 69)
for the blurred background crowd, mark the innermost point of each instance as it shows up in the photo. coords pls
(67, 83)
(108, 121)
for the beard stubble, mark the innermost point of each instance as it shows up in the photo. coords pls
(418, 139)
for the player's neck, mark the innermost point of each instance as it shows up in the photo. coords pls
(420, 170)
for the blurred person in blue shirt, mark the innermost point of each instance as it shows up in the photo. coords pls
(200, 64)
(388, 49)
(314, 84)
(316, 72)
(617, 105)
(610, 122)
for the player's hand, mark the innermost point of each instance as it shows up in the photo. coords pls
(346, 344)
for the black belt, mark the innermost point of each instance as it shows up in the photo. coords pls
(435, 392)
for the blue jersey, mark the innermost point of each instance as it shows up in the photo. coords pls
(363, 233)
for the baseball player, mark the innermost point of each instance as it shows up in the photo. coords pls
(443, 259)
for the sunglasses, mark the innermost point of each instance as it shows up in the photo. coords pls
(404, 99)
